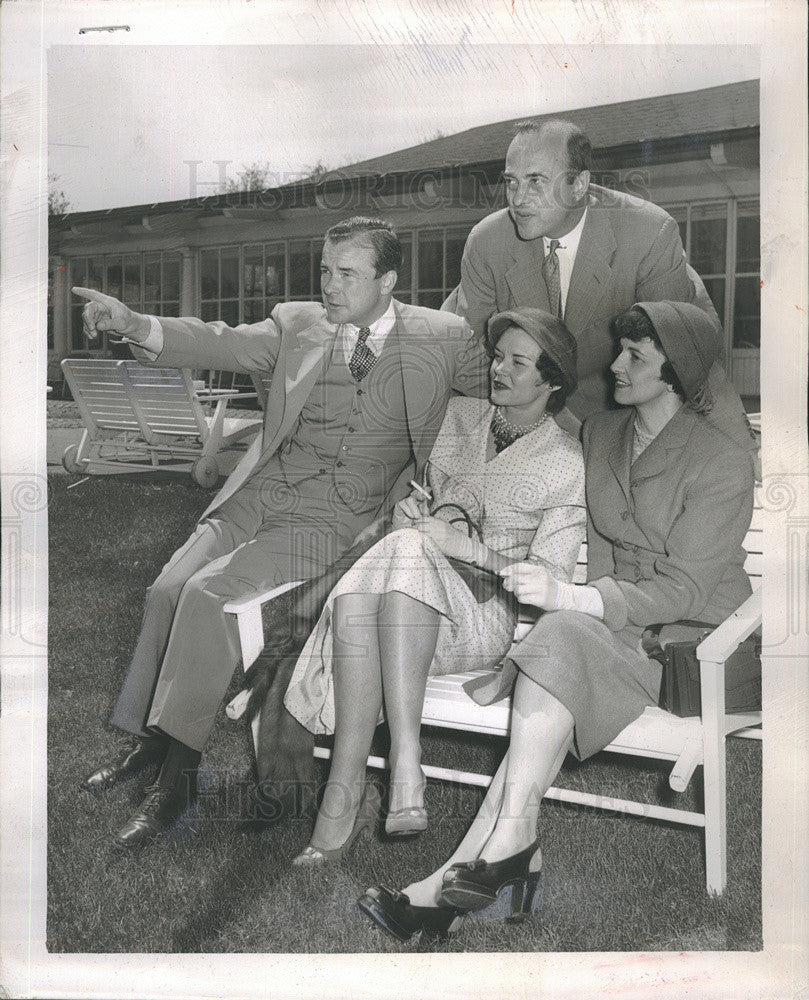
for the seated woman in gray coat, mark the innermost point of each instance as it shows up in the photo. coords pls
(669, 501)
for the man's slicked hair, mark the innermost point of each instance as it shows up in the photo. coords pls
(577, 143)
(374, 234)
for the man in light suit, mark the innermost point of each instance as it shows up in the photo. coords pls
(359, 389)
(585, 253)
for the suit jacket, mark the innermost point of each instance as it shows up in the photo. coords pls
(665, 533)
(439, 353)
(630, 251)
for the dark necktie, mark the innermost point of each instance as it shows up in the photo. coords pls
(550, 272)
(363, 359)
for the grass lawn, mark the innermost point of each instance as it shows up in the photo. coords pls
(610, 882)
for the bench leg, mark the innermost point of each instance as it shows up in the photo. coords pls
(713, 715)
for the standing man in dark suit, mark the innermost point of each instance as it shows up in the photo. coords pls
(585, 253)
(359, 389)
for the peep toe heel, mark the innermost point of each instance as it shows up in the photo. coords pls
(312, 856)
(474, 885)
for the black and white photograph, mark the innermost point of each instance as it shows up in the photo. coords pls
(404, 489)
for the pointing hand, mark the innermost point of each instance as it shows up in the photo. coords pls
(105, 314)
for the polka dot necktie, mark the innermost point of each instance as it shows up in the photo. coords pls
(363, 359)
(550, 272)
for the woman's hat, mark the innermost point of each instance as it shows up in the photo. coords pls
(691, 340)
(550, 334)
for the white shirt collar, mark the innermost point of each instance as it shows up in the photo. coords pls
(380, 329)
(569, 243)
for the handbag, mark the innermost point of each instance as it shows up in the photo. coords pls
(674, 646)
(483, 583)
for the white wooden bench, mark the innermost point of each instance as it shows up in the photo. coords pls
(139, 418)
(686, 743)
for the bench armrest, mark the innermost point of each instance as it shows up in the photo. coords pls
(725, 638)
(242, 604)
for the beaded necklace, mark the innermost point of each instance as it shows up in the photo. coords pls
(505, 433)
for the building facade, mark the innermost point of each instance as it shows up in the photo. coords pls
(234, 256)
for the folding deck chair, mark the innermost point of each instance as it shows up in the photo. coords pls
(140, 419)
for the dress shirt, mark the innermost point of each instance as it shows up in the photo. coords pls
(566, 253)
(380, 328)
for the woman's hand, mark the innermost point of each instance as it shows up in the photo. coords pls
(406, 511)
(531, 584)
(453, 543)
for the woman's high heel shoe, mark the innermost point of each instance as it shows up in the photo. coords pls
(395, 914)
(409, 821)
(474, 885)
(312, 856)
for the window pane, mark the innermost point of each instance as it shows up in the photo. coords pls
(209, 277)
(432, 300)
(171, 277)
(716, 290)
(151, 279)
(274, 272)
(747, 313)
(254, 311)
(210, 311)
(78, 275)
(708, 238)
(153, 308)
(253, 272)
(170, 308)
(300, 263)
(229, 312)
(95, 273)
(229, 271)
(405, 279)
(132, 290)
(748, 237)
(77, 341)
(431, 271)
(114, 278)
(456, 240)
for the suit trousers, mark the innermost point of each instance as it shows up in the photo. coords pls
(188, 646)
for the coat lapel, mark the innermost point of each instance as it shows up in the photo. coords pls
(620, 455)
(592, 270)
(524, 277)
(658, 457)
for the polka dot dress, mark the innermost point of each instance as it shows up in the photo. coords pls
(529, 504)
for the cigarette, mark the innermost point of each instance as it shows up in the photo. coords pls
(420, 489)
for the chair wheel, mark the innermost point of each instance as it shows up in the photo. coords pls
(69, 459)
(205, 472)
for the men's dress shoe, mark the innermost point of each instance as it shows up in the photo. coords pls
(133, 756)
(161, 807)
(474, 885)
(396, 915)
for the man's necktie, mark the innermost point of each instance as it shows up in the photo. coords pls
(363, 359)
(550, 272)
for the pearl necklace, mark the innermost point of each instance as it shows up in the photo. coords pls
(506, 433)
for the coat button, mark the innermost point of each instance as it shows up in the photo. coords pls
(340, 465)
(351, 430)
(624, 515)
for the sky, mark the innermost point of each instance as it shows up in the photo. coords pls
(124, 120)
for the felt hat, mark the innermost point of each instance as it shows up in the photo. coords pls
(549, 333)
(691, 340)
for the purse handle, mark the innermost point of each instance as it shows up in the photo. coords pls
(471, 526)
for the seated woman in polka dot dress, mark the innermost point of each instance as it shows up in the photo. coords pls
(403, 612)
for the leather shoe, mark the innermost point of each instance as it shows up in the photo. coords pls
(133, 756)
(161, 807)
(396, 915)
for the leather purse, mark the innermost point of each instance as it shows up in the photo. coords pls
(482, 582)
(674, 646)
